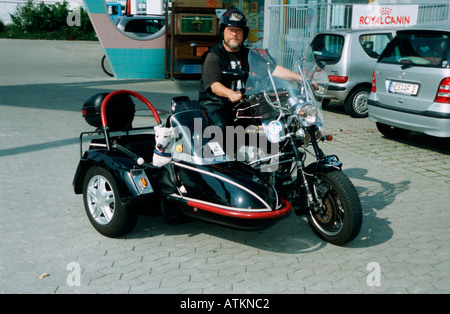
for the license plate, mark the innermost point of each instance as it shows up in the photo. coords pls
(402, 88)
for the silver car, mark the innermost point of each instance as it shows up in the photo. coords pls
(350, 56)
(411, 84)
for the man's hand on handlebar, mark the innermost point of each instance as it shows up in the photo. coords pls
(235, 96)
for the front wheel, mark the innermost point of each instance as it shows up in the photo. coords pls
(337, 216)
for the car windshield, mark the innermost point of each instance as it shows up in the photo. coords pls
(328, 48)
(426, 49)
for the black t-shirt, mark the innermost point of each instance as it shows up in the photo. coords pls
(212, 68)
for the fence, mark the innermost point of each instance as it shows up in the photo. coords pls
(293, 26)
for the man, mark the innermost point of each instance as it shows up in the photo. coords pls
(217, 96)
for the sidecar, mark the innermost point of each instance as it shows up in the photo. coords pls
(117, 179)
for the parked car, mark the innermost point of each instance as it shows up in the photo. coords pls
(140, 26)
(411, 83)
(350, 56)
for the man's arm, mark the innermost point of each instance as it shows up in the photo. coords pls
(220, 90)
(289, 75)
(286, 74)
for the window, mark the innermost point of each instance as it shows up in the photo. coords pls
(374, 44)
(426, 49)
(147, 26)
(328, 48)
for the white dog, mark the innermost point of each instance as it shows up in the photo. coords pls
(163, 149)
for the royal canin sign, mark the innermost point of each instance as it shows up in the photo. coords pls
(368, 16)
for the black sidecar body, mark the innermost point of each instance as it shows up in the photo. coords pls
(116, 176)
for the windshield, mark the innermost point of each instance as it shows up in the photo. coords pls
(280, 95)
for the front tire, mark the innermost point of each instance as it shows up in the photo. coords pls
(338, 217)
(103, 204)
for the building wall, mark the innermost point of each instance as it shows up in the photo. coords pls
(129, 58)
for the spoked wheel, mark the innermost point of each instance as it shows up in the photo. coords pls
(338, 216)
(104, 206)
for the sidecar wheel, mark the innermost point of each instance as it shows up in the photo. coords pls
(339, 218)
(104, 206)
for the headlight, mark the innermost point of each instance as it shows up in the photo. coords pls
(308, 115)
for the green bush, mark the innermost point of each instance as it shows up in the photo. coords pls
(42, 21)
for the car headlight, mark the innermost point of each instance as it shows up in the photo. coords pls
(308, 115)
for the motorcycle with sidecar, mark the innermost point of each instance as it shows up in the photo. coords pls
(246, 184)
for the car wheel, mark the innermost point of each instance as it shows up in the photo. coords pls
(103, 204)
(356, 103)
(392, 131)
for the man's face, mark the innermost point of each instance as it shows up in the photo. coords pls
(233, 37)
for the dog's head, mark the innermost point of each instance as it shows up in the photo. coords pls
(163, 139)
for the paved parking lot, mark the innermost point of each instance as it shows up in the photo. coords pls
(48, 245)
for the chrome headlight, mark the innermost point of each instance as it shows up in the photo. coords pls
(308, 114)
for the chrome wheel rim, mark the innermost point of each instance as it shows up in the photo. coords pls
(100, 200)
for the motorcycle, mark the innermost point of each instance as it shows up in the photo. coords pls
(244, 184)
(291, 116)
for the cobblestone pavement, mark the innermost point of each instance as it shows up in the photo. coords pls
(403, 246)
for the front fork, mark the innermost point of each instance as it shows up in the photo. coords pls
(324, 163)
(301, 174)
